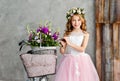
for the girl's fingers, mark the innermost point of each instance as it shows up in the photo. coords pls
(62, 43)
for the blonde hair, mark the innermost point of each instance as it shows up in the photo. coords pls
(69, 26)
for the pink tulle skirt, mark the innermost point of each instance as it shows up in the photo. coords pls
(76, 68)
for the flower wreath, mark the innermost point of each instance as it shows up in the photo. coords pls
(75, 10)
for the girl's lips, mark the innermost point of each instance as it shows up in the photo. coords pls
(76, 25)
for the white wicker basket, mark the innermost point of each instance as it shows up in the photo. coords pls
(39, 64)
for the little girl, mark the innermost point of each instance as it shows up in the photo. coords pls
(76, 65)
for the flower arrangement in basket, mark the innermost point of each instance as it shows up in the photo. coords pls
(42, 63)
(43, 36)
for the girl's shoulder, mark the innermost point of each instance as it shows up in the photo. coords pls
(64, 35)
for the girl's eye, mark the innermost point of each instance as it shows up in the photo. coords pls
(73, 20)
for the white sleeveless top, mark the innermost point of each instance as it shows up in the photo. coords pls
(75, 38)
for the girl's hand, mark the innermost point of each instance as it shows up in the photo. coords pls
(67, 40)
(63, 43)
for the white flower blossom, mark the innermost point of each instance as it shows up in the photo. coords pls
(38, 33)
(68, 13)
(69, 17)
(49, 29)
(38, 41)
(36, 37)
(74, 11)
(83, 12)
(71, 14)
(49, 33)
(78, 11)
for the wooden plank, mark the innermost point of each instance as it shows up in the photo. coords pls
(115, 51)
(99, 10)
(103, 51)
(107, 52)
(98, 49)
(102, 11)
(116, 69)
(115, 40)
(107, 11)
(103, 54)
(119, 39)
(117, 11)
(112, 55)
(112, 11)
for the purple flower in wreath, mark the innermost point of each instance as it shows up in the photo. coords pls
(55, 35)
(45, 30)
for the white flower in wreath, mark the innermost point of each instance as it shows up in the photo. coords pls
(69, 17)
(78, 11)
(74, 11)
(83, 12)
(71, 14)
(68, 13)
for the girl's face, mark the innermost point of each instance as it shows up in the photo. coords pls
(76, 22)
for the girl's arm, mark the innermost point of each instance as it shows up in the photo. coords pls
(62, 50)
(83, 46)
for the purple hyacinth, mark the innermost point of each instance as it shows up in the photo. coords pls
(39, 29)
(45, 30)
(55, 35)
(30, 36)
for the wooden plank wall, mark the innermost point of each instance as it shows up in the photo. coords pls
(108, 39)
(116, 51)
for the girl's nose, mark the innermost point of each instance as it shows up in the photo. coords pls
(76, 22)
